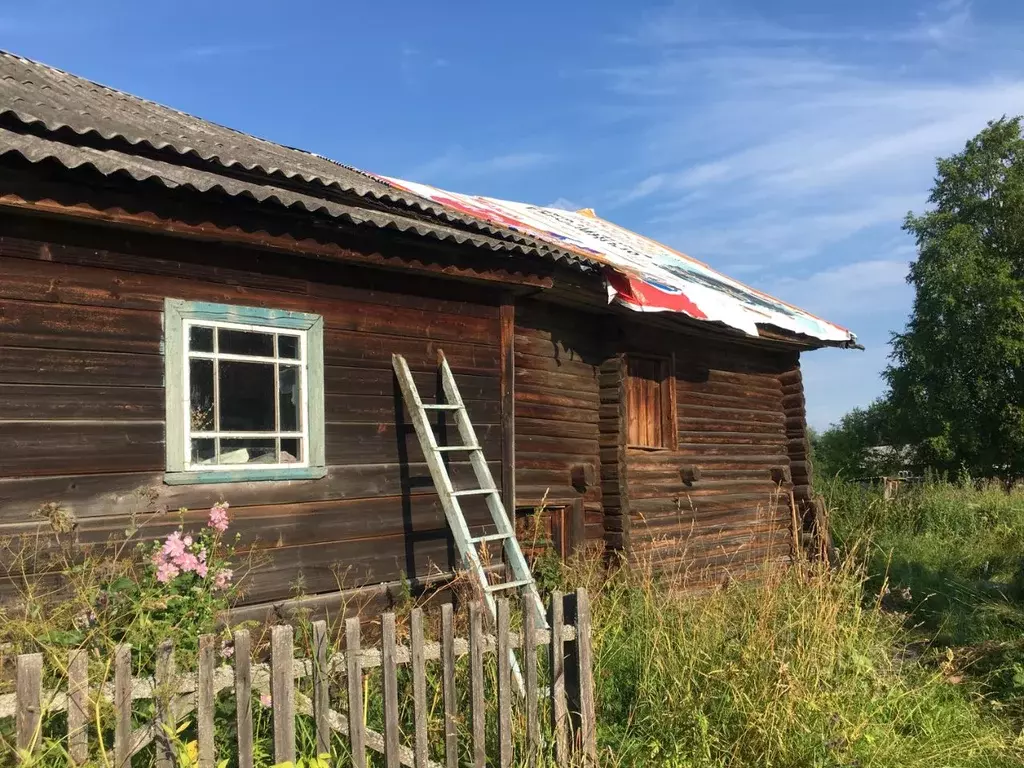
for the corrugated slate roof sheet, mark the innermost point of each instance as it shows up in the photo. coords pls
(121, 132)
(37, 149)
(49, 115)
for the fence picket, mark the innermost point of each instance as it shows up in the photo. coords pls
(356, 724)
(530, 680)
(204, 700)
(243, 697)
(451, 731)
(176, 695)
(123, 706)
(419, 688)
(476, 666)
(389, 668)
(504, 687)
(558, 705)
(282, 692)
(321, 691)
(166, 720)
(78, 707)
(29, 692)
(588, 724)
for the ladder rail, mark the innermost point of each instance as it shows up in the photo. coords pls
(521, 577)
(499, 515)
(428, 444)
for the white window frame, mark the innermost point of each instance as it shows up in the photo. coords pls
(179, 317)
(276, 361)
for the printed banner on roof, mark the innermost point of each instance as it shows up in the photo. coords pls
(640, 273)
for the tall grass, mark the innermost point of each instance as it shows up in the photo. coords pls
(950, 558)
(958, 547)
(804, 667)
(794, 670)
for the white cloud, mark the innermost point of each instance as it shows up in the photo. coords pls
(216, 50)
(456, 166)
(790, 152)
(643, 188)
(564, 204)
(832, 375)
(756, 146)
(779, 235)
(871, 296)
(849, 290)
(948, 24)
(688, 24)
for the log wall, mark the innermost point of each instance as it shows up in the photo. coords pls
(82, 400)
(82, 415)
(799, 448)
(557, 355)
(718, 506)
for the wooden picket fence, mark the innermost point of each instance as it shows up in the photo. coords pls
(570, 692)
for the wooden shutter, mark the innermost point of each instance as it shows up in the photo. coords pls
(650, 406)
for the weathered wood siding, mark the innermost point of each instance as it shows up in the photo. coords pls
(82, 401)
(798, 444)
(732, 435)
(557, 355)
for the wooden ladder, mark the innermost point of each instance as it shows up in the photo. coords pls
(521, 578)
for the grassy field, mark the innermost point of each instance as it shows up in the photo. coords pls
(807, 668)
(950, 559)
(907, 655)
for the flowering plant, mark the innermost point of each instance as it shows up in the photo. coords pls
(185, 581)
(200, 556)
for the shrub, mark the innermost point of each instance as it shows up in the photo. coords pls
(134, 591)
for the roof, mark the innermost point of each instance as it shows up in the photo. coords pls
(49, 115)
(641, 273)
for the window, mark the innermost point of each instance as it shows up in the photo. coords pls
(650, 403)
(542, 529)
(244, 393)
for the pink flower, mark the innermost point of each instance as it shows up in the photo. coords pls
(265, 700)
(227, 651)
(223, 578)
(202, 570)
(166, 571)
(219, 517)
(174, 546)
(187, 562)
(188, 540)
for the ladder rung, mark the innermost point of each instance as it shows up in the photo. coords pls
(441, 407)
(509, 585)
(491, 537)
(475, 492)
(457, 448)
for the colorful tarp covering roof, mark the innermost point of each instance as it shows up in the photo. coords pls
(640, 273)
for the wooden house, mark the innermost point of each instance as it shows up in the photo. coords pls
(189, 314)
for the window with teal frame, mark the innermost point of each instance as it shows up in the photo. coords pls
(245, 393)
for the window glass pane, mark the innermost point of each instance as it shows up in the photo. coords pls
(288, 347)
(291, 450)
(200, 339)
(291, 398)
(248, 451)
(246, 396)
(245, 343)
(200, 375)
(204, 451)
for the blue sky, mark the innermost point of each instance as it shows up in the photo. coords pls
(782, 141)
